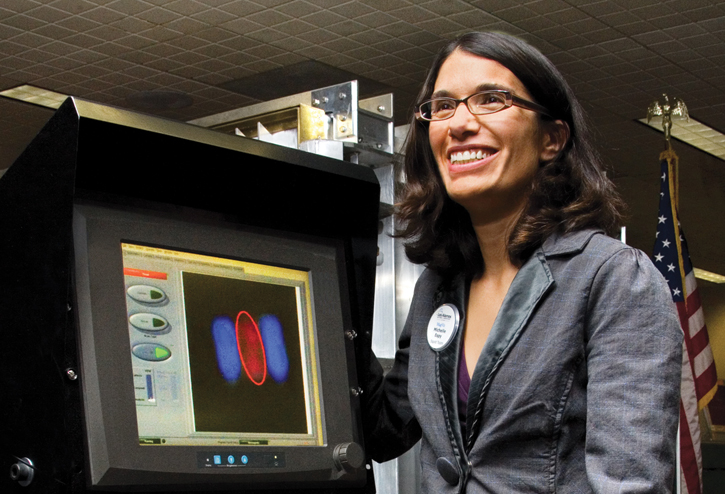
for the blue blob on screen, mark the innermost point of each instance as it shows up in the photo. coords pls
(276, 351)
(224, 334)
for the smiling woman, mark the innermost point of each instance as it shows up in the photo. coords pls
(539, 354)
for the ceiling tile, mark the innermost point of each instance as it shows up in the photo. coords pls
(415, 14)
(23, 22)
(667, 21)
(20, 5)
(386, 5)
(291, 44)
(605, 35)
(337, 60)
(269, 18)
(548, 6)
(298, 8)
(213, 50)
(703, 14)
(449, 8)
(295, 27)
(314, 52)
(70, 6)
(325, 4)
(401, 29)
(475, 19)
(441, 27)
(347, 27)
(263, 51)
(376, 19)
(47, 13)
(186, 7)
(353, 10)
(102, 15)
(106, 33)
(186, 25)
(318, 36)
(597, 9)
(290, 58)
(537, 24)
(164, 64)
(128, 7)
(514, 14)
(241, 26)
(11, 48)
(621, 44)
(241, 9)
(342, 45)
(324, 18)
(270, 3)
(159, 16)
(54, 31)
(586, 26)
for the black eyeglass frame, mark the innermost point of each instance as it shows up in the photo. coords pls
(511, 100)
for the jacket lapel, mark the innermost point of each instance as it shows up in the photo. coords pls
(528, 288)
(447, 362)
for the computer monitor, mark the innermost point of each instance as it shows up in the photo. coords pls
(210, 326)
(211, 354)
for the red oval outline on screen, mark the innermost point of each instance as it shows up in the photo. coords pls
(259, 344)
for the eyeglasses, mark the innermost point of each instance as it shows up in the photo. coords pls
(478, 104)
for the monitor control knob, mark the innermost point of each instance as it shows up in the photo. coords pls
(22, 471)
(348, 456)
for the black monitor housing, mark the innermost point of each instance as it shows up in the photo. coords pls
(182, 310)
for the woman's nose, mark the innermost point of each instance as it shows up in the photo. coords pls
(462, 121)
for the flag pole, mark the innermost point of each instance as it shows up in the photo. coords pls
(666, 109)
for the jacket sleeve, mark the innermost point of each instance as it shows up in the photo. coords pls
(634, 364)
(389, 422)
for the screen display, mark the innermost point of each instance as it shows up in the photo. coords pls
(223, 351)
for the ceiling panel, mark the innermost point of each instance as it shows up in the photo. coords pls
(618, 55)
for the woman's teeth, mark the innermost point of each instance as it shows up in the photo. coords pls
(467, 156)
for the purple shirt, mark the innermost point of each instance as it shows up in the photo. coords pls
(464, 383)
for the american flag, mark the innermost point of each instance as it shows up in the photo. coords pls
(699, 379)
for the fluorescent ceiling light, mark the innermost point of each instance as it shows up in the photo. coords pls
(708, 276)
(694, 133)
(35, 95)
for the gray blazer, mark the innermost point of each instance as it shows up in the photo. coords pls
(576, 390)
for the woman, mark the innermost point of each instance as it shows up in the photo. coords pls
(539, 354)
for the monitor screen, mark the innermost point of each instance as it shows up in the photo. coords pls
(212, 355)
(223, 351)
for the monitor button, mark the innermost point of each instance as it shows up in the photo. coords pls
(146, 294)
(152, 352)
(148, 322)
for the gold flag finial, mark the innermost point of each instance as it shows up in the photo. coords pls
(667, 109)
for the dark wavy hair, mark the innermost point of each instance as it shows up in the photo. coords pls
(569, 193)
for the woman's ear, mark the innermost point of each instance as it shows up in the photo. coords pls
(555, 136)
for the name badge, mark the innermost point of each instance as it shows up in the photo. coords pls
(443, 326)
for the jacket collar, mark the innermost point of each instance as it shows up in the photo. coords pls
(568, 243)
